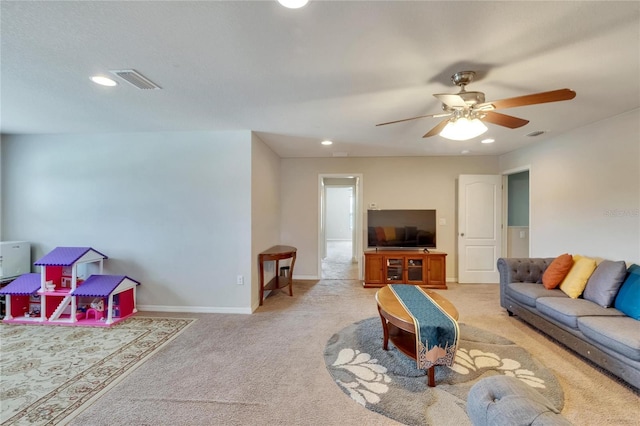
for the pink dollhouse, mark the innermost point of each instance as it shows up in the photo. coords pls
(59, 296)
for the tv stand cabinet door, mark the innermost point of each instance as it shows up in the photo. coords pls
(373, 272)
(394, 268)
(415, 270)
(437, 270)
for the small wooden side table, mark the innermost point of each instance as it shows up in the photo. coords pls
(277, 253)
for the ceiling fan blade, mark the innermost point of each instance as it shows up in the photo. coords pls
(451, 100)
(536, 98)
(446, 114)
(436, 130)
(504, 120)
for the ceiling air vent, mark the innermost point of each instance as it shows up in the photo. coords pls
(135, 78)
(535, 133)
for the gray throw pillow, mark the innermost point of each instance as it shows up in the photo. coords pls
(604, 283)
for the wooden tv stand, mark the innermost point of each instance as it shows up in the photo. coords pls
(415, 267)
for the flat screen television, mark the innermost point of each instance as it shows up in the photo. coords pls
(401, 228)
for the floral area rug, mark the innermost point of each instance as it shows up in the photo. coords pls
(50, 373)
(389, 383)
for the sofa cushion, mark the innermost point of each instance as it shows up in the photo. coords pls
(628, 298)
(567, 311)
(576, 280)
(620, 334)
(557, 271)
(527, 293)
(604, 283)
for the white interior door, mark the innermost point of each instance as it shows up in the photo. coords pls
(479, 228)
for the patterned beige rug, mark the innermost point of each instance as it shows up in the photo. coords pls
(51, 373)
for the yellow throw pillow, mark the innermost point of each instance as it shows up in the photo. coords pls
(576, 280)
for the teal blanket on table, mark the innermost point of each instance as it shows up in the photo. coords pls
(436, 331)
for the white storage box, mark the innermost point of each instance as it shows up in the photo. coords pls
(15, 259)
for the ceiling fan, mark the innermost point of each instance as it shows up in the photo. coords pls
(466, 111)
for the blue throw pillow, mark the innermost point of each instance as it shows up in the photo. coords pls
(628, 299)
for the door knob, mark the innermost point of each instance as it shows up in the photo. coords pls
(462, 234)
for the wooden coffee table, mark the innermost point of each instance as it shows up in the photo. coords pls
(398, 326)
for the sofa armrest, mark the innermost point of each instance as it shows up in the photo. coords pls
(521, 270)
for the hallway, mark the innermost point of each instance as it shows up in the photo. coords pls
(338, 264)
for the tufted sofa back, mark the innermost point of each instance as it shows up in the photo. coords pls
(521, 270)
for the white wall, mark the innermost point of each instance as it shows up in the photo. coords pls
(172, 210)
(396, 182)
(517, 241)
(1, 198)
(585, 190)
(186, 213)
(265, 210)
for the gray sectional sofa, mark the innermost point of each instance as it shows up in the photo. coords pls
(605, 336)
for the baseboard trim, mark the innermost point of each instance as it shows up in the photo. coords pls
(305, 277)
(195, 309)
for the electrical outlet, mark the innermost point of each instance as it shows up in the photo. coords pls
(240, 280)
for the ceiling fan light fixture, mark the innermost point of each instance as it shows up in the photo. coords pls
(293, 4)
(463, 129)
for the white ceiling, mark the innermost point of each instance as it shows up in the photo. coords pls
(330, 70)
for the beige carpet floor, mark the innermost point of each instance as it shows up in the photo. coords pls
(268, 368)
(338, 264)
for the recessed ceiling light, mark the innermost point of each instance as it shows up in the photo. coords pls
(466, 151)
(103, 81)
(488, 140)
(293, 4)
(327, 142)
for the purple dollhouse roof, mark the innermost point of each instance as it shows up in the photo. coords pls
(100, 285)
(65, 256)
(23, 285)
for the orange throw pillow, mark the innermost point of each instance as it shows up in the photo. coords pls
(557, 270)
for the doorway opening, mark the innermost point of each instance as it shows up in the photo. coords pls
(516, 241)
(340, 225)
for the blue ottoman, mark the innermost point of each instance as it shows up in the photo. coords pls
(507, 401)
